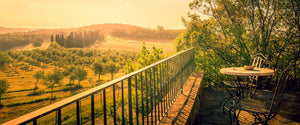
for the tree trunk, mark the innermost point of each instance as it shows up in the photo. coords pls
(70, 81)
(51, 94)
(99, 77)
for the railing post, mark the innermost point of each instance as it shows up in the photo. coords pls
(151, 96)
(142, 96)
(157, 92)
(59, 116)
(114, 101)
(161, 90)
(34, 122)
(78, 112)
(130, 101)
(104, 108)
(136, 100)
(92, 109)
(122, 91)
(147, 101)
(154, 95)
(181, 73)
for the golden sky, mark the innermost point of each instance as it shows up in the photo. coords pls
(77, 13)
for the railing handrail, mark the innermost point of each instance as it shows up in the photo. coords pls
(50, 108)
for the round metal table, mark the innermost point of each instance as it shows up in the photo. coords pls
(240, 71)
(246, 86)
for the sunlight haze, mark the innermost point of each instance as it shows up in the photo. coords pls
(77, 13)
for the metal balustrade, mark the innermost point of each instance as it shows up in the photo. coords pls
(145, 97)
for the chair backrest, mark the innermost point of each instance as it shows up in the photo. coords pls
(283, 79)
(257, 61)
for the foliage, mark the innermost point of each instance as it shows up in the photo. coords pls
(78, 39)
(129, 67)
(3, 57)
(80, 74)
(69, 71)
(98, 69)
(143, 33)
(38, 75)
(37, 43)
(11, 40)
(145, 58)
(58, 56)
(53, 78)
(112, 68)
(238, 29)
(4, 85)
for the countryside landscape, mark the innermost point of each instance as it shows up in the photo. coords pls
(132, 61)
(36, 54)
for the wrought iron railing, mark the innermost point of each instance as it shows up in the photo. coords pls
(140, 97)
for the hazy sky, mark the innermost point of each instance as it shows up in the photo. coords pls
(76, 13)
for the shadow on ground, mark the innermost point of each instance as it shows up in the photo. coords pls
(211, 109)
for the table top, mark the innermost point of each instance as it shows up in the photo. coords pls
(240, 71)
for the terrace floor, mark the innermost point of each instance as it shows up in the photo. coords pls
(211, 109)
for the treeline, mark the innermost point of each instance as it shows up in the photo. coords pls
(78, 39)
(56, 56)
(8, 41)
(143, 33)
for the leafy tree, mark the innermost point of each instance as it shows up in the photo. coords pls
(98, 69)
(112, 68)
(53, 78)
(237, 29)
(38, 75)
(129, 67)
(69, 71)
(145, 58)
(4, 85)
(80, 74)
(3, 58)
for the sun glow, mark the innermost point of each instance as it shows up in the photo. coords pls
(76, 13)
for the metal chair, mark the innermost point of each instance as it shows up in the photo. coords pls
(256, 61)
(263, 110)
(236, 90)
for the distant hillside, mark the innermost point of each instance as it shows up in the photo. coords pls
(106, 28)
(109, 27)
(83, 36)
(4, 30)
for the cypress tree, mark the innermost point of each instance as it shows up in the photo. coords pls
(52, 38)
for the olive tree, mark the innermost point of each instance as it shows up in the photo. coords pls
(38, 76)
(80, 74)
(53, 78)
(112, 68)
(98, 69)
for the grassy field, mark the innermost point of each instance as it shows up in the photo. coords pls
(22, 83)
(19, 101)
(133, 45)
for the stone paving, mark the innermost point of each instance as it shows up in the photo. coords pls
(210, 112)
